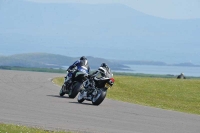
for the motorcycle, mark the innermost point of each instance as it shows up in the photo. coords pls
(73, 88)
(95, 88)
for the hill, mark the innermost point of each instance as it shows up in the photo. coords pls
(46, 60)
(111, 31)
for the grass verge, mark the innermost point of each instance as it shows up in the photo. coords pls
(9, 128)
(166, 93)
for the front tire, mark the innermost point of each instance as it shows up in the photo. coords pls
(99, 97)
(80, 98)
(61, 93)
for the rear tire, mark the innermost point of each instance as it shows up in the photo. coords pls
(98, 99)
(76, 87)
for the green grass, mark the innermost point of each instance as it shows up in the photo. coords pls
(9, 128)
(166, 93)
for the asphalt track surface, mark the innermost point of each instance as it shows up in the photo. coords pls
(31, 99)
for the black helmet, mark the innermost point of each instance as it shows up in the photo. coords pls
(104, 65)
(105, 70)
(83, 58)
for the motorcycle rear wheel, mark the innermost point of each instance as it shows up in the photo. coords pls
(76, 87)
(99, 97)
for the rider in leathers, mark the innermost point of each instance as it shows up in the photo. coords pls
(80, 65)
(103, 71)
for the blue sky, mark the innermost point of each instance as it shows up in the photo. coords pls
(170, 9)
(64, 28)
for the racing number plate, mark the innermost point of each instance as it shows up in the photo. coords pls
(107, 86)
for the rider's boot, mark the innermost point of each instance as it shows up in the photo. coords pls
(85, 94)
(67, 83)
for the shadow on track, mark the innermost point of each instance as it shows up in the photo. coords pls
(82, 103)
(58, 96)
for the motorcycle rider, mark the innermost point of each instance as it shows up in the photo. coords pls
(102, 72)
(80, 65)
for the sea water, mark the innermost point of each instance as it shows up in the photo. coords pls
(164, 70)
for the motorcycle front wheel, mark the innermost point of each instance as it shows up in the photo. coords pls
(61, 93)
(80, 98)
(99, 97)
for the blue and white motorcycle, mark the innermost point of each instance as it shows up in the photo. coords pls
(73, 88)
